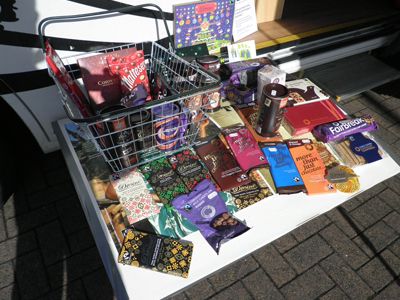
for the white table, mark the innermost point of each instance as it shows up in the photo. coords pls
(268, 219)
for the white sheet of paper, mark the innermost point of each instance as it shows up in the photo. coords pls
(242, 51)
(245, 20)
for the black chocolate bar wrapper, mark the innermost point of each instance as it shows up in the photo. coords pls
(155, 252)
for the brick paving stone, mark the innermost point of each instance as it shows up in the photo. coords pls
(351, 204)
(238, 290)
(376, 238)
(9, 293)
(30, 220)
(285, 243)
(391, 103)
(6, 274)
(31, 276)
(16, 205)
(274, 265)
(334, 294)
(73, 291)
(52, 242)
(3, 235)
(311, 227)
(53, 160)
(383, 121)
(71, 215)
(260, 286)
(342, 245)
(395, 248)
(80, 240)
(308, 253)
(371, 211)
(74, 267)
(392, 291)
(345, 222)
(386, 135)
(51, 194)
(395, 129)
(14, 247)
(353, 107)
(33, 179)
(179, 296)
(201, 290)
(57, 176)
(375, 190)
(308, 285)
(98, 286)
(393, 220)
(394, 184)
(381, 270)
(345, 277)
(391, 198)
(233, 273)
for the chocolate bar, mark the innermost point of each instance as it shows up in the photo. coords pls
(339, 130)
(246, 195)
(189, 167)
(163, 179)
(286, 177)
(245, 148)
(157, 253)
(222, 165)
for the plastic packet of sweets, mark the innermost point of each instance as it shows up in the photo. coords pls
(245, 148)
(207, 210)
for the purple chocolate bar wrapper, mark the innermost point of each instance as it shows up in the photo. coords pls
(339, 130)
(204, 207)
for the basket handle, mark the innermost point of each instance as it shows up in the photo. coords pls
(96, 15)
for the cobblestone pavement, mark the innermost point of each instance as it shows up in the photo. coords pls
(353, 251)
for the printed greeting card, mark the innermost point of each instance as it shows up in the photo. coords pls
(207, 22)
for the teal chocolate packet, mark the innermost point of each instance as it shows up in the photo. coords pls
(163, 179)
(155, 252)
(189, 167)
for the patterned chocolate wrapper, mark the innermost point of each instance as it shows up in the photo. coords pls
(135, 196)
(163, 179)
(162, 254)
(339, 130)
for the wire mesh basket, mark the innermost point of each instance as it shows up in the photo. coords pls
(129, 136)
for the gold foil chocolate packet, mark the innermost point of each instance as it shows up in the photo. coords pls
(157, 253)
(351, 185)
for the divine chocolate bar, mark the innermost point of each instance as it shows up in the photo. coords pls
(135, 195)
(249, 194)
(189, 168)
(163, 179)
(222, 165)
(286, 177)
(245, 148)
(158, 253)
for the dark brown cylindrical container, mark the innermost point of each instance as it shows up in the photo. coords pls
(210, 63)
(273, 98)
(119, 139)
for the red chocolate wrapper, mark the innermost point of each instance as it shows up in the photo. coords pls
(131, 69)
(339, 130)
(245, 148)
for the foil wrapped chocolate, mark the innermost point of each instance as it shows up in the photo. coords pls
(339, 130)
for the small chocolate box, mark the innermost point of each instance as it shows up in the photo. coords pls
(155, 252)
